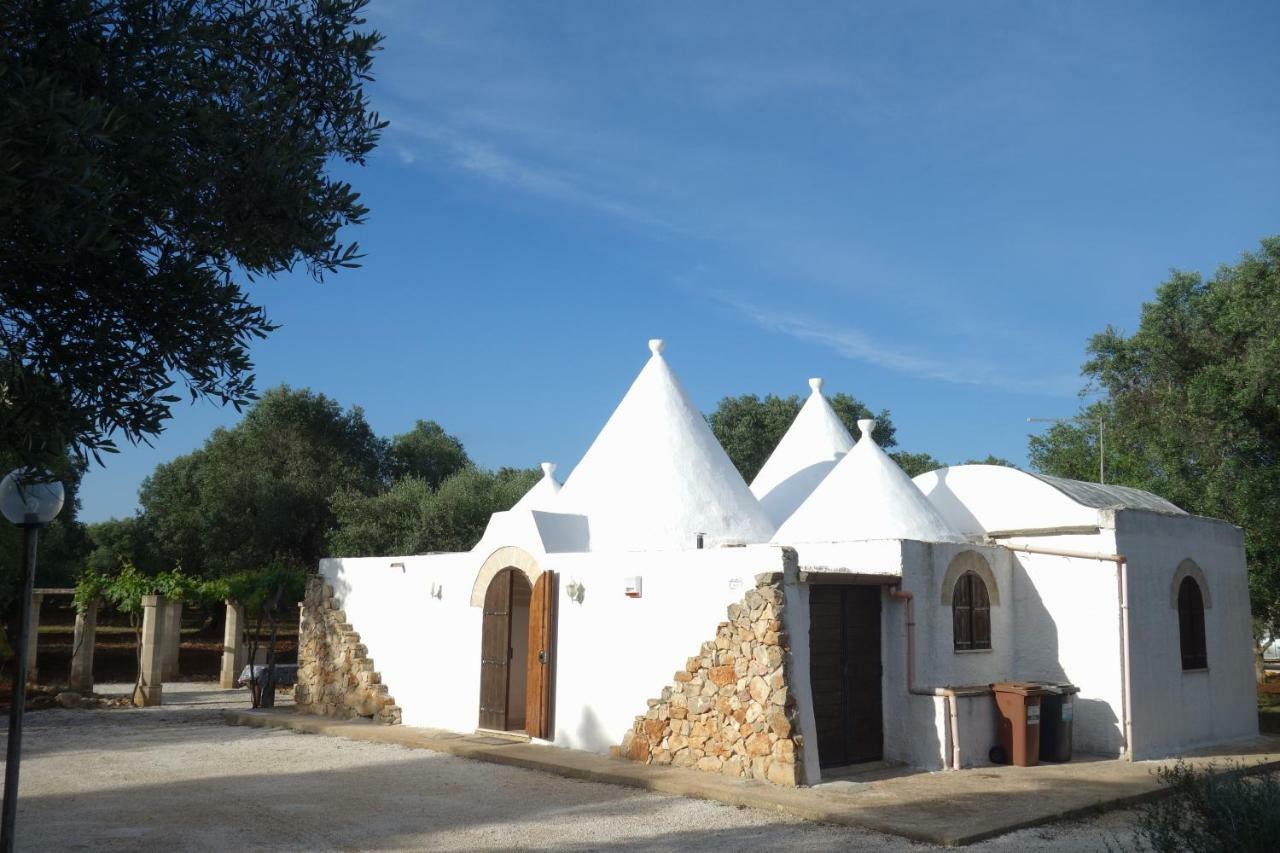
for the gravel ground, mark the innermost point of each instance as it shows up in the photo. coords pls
(178, 778)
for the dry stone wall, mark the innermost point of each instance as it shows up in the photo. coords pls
(336, 677)
(731, 710)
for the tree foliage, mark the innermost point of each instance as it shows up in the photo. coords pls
(259, 493)
(151, 151)
(413, 518)
(749, 427)
(426, 452)
(1192, 408)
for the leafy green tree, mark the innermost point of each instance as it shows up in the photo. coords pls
(426, 452)
(749, 427)
(916, 464)
(114, 542)
(152, 154)
(259, 493)
(990, 460)
(413, 518)
(1192, 408)
(396, 521)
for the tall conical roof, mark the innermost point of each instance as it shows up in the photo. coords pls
(866, 496)
(655, 476)
(811, 447)
(543, 493)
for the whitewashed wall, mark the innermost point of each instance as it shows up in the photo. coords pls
(612, 652)
(1068, 615)
(1174, 710)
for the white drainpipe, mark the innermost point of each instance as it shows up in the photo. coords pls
(950, 703)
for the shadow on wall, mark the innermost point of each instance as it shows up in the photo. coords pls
(1095, 728)
(591, 735)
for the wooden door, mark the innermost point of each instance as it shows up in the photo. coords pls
(538, 685)
(844, 672)
(495, 647)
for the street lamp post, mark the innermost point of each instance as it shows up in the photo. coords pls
(1102, 441)
(31, 500)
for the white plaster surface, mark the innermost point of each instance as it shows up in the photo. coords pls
(542, 495)
(865, 496)
(811, 447)
(976, 499)
(655, 476)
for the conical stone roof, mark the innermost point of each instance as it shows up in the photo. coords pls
(655, 476)
(811, 447)
(542, 495)
(866, 496)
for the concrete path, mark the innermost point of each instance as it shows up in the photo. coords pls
(177, 778)
(941, 808)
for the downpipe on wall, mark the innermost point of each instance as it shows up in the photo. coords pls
(1122, 596)
(950, 704)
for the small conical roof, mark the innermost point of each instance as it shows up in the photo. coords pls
(811, 447)
(655, 476)
(543, 493)
(866, 496)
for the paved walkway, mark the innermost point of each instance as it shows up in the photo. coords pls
(177, 778)
(941, 808)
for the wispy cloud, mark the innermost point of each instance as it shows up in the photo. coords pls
(857, 345)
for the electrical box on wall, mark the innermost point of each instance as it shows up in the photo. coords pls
(633, 587)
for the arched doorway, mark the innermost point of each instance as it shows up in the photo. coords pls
(515, 654)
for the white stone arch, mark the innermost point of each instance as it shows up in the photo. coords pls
(506, 557)
(1188, 569)
(969, 561)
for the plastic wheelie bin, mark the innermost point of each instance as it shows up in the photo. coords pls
(1018, 721)
(1057, 709)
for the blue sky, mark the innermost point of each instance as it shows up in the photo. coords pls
(931, 205)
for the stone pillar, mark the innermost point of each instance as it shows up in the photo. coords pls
(170, 640)
(147, 693)
(234, 652)
(37, 599)
(81, 679)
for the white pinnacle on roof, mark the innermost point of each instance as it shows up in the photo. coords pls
(866, 496)
(813, 444)
(543, 493)
(655, 477)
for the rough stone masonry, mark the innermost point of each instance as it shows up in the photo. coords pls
(731, 710)
(336, 677)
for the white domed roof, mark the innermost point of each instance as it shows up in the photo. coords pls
(866, 496)
(655, 476)
(543, 493)
(813, 444)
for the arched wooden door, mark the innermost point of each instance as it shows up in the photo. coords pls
(499, 709)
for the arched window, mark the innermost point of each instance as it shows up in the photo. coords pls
(1191, 625)
(971, 613)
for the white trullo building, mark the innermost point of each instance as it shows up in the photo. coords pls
(833, 612)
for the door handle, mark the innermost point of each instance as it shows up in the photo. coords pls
(542, 655)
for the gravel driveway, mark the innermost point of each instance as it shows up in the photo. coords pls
(178, 778)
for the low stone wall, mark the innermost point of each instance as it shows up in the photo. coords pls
(731, 710)
(336, 677)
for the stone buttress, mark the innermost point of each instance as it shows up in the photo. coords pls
(732, 709)
(336, 677)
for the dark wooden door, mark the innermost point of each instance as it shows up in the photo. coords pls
(538, 688)
(495, 651)
(844, 672)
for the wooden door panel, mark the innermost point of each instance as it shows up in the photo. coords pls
(538, 685)
(844, 673)
(495, 643)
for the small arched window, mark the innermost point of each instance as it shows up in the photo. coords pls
(1191, 625)
(971, 613)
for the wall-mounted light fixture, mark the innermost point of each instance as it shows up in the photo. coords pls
(575, 590)
(399, 566)
(437, 591)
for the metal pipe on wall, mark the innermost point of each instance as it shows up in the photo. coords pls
(950, 701)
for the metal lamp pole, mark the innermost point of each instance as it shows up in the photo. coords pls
(29, 499)
(13, 751)
(1102, 441)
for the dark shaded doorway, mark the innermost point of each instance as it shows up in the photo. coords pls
(516, 654)
(844, 672)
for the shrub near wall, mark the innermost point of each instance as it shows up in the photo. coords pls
(731, 710)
